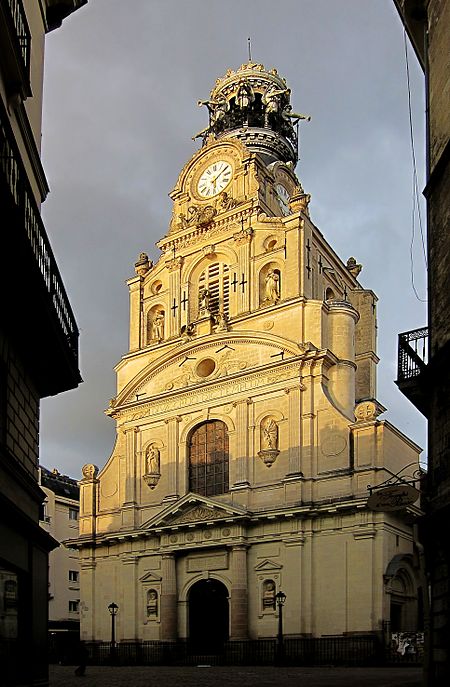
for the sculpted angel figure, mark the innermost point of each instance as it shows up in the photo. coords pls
(271, 101)
(272, 291)
(217, 111)
(291, 118)
(270, 435)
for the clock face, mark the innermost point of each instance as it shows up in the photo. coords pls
(214, 179)
(283, 199)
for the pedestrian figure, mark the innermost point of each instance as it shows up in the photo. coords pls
(82, 659)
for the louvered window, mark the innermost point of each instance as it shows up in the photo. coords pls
(217, 280)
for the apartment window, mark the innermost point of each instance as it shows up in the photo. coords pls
(74, 606)
(73, 514)
(73, 575)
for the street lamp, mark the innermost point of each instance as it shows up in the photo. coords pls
(280, 598)
(113, 608)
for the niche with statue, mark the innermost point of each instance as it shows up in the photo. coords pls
(269, 440)
(152, 473)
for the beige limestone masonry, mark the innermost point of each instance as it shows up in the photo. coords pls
(250, 326)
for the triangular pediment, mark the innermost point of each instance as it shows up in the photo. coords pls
(193, 509)
(267, 565)
(150, 577)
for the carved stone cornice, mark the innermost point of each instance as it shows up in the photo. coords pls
(175, 263)
(243, 236)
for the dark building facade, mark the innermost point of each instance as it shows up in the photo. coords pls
(38, 338)
(424, 354)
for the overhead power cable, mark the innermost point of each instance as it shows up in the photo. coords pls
(415, 185)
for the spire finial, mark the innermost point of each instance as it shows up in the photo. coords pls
(249, 40)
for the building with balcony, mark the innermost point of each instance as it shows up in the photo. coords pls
(424, 354)
(59, 517)
(38, 337)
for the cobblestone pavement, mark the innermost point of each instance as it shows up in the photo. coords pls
(267, 676)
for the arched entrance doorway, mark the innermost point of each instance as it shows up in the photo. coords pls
(208, 615)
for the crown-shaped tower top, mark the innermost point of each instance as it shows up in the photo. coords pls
(253, 104)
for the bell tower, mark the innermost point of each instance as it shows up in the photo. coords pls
(247, 421)
(253, 105)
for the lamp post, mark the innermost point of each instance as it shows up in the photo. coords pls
(280, 598)
(113, 608)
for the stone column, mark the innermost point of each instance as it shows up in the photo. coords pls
(168, 598)
(241, 463)
(239, 593)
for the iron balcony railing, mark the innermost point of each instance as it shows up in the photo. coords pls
(19, 25)
(15, 183)
(412, 354)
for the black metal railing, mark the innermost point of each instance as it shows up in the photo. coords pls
(15, 184)
(21, 31)
(412, 353)
(355, 650)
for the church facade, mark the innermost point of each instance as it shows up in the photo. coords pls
(248, 428)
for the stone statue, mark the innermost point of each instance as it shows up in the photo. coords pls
(272, 290)
(290, 118)
(157, 330)
(89, 471)
(270, 435)
(152, 461)
(143, 265)
(217, 111)
(225, 202)
(152, 602)
(203, 299)
(182, 222)
(271, 101)
(268, 597)
(353, 267)
(221, 322)
(220, 110)
(245, 95)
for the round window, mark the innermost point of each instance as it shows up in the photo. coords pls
(206, 367)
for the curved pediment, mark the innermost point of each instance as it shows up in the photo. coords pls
(208, 360)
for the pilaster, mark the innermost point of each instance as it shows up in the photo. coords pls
(87, 593)
(172, 457)
(295, 431)
(241, 474)
(129, 598)
(134, 286)
(168, 598)
(173, 316)
(244, 279)
(239, 593)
